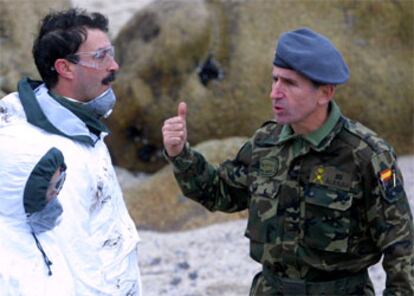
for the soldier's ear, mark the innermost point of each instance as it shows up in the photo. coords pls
(327, 93)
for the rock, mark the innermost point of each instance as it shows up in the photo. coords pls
(217, 56)
(150, 44)
(118, 12)
(127, 179)
(193, 275)
(158, 204)
(18, 25)
(175, 281)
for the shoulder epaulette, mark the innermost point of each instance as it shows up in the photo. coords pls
(366, 135)
(268, 133)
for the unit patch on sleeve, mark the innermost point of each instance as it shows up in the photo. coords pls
(388, 176)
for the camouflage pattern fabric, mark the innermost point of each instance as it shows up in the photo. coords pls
(270, 285)
(317, 211)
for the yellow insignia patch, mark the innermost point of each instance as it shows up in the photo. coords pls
(319, 175)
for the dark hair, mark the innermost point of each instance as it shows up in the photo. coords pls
(61, 34)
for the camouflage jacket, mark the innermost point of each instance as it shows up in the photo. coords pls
(329, 201)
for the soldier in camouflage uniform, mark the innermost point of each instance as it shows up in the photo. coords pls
(324, 193)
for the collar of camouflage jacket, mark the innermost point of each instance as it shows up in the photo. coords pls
(318, 138)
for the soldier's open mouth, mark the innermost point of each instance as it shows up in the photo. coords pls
(278, 109)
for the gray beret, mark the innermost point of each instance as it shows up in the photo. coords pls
(312, 55)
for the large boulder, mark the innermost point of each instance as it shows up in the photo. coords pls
(158, 204)
(217, 56)
(19, 23)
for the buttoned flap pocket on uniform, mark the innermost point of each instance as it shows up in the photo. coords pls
(261, 226)
(327, 218)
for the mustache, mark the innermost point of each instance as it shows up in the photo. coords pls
(108, 79)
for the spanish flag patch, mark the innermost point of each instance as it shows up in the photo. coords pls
(385, 175)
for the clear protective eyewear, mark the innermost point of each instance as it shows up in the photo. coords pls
(99, 59)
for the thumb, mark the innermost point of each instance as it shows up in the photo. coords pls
(182, 110)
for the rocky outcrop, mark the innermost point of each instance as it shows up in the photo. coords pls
(158, 204)
(152, 44)
(18, 25)
(217, 56)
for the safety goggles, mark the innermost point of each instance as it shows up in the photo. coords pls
(98, 59)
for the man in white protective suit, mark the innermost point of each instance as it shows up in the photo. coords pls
(31, 262)
(96, 236)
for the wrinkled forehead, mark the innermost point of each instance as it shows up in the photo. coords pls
(279, 72)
